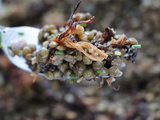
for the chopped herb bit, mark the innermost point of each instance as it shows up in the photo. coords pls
(59, 53)
(20, 33)
(52, 36)
(136, 46)
(98, 71)
(1, 46)
(11, 53)
(71, 81)
(9, 47)
(84, 25)
(20, 53)
(73, 76)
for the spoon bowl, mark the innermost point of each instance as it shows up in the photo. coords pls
(30, 35)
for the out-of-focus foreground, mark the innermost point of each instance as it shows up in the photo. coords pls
(139, 95)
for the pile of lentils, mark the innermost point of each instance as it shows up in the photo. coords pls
(70, 64)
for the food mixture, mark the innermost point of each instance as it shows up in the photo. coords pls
(74, 53)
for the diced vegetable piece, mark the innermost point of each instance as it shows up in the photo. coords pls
(136, 46)
(71, 81)
(98, 71)
(73, 76)
(59, 53)
(20, 53)
(117, 53)
(52, 36)
(84, 25)
(20, 33)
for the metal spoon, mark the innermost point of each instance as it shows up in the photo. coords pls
(11, 33)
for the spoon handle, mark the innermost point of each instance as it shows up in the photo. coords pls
(2, 27)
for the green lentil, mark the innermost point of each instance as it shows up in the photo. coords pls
(43, 52)
(61, 48)
(97, 65)
(79, 56)
(53, 44)
(86, 60)
(32, 46)
(45, 44)
(59, 53)
(49, 75)
(89, 74)
(26, 50)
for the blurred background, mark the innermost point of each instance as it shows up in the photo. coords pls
(139, 95)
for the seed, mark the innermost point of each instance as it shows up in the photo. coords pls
(57, 62)
(57, 75)
(67, 74)
(53, 44)
(80, 79)
(109, 52)
(26, 50)
(55, 31)
(32, 46)
(49, 75)
(61, 29)
(28, 56)
(79, 56)
(42, 61)
(117, 61)
(117, 53)
(79, 72)
(97, 65)
(61, 47)
(57, 59)
(89, 74)
(83, 37)
(94, 32)
(43, 52)
(63, 67)
(40, 36)
(71, 66)
(86, 60)
(99, 34)
(45, 35)
(90, 35)
(45, 44)
(104, 72)
(115, 72)
(80, 66)
(34, 60)
(132, 41)
(49, 28)
(79, 30)
(70, 58)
